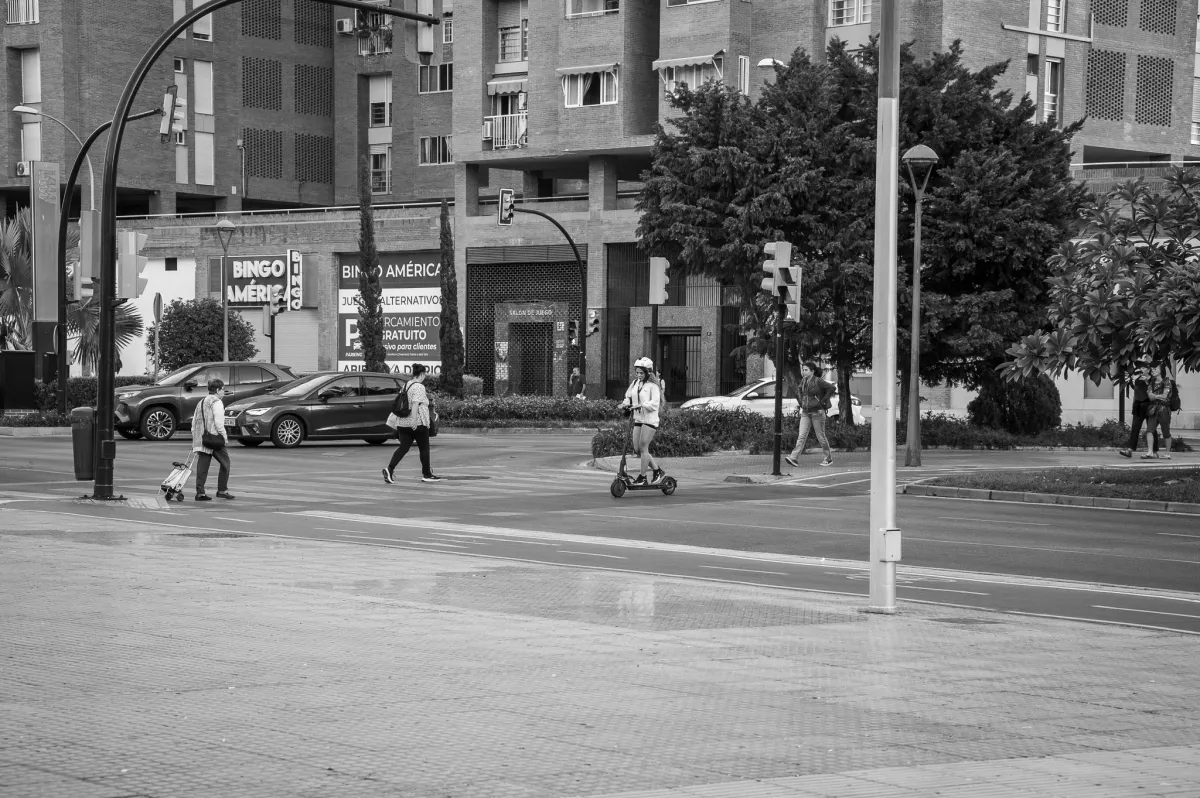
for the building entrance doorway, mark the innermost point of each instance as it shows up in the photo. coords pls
(531, 358)
(678, 361)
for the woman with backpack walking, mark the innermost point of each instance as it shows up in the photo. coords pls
(410, 417)
(644, 400)
(813, 393)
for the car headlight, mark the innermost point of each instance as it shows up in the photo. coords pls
(258, 411)
(121, 397)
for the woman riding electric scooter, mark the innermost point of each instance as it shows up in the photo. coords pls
(643, 399)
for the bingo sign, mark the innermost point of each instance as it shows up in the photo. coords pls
(249, 280)
(412, 310)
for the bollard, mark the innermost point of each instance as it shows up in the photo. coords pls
(83, 442)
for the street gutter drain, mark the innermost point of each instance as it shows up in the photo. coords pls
(963, 621)
(212, 535)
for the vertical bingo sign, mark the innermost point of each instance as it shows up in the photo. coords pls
(295, 279)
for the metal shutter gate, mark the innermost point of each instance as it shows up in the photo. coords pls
(296, 340)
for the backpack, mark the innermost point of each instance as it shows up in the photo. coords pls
(1174, 403)
(400, 407)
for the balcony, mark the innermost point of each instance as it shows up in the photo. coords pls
(22, 12)
(375, 39)
(507, 131)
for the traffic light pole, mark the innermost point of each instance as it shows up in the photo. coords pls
(107, 448)
(654, 337)
(582, 285)
(780, 310)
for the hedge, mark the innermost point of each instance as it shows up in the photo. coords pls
(34, 420)
(81, 391)
(486, 409)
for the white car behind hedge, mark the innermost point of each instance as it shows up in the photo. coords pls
(759, 397)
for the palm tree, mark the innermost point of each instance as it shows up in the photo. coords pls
(83, 321)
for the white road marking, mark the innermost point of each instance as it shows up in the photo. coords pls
(989, 520)
(402, 540)
(512, 539)
(943, 590)
(744, 570)
(1178, 535)
(1148, 612)
(328, 529)
(227, 518)
(590, 554)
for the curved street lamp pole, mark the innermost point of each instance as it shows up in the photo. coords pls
(107, 448)
(923, 159)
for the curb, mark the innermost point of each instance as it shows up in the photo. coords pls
(946, 491)
(34, 432)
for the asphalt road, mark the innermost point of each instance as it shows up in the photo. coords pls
(528, 497)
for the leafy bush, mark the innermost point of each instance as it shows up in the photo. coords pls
(81, 391)
(472, 385)
(34, 420)
(724, 429)
(1024, 407)
(957, 433)
(1157, 484)
(844, 437)
(668, 442)
(193, 332)
(485, 409)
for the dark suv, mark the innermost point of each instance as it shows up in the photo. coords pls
(156, 411)
(331, 405)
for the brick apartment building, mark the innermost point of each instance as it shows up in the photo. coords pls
(556, 98)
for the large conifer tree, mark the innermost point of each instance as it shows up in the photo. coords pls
(450, 333)
(370, 295)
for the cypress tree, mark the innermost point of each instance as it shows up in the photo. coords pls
(450, 334)
(370, 295)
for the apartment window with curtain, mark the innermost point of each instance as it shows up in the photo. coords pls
(849, 12)
(1196, 110)
(202, 28)
(1056, 16)
(380, 88)
(22, 12)
(1052, 92)
(744, 74)
(693, 76)
(435, 78)
(592, 8)
(511, 43)
(202, 72)
(590, 88)
(447, 30)
(381, 168)
(436, 150)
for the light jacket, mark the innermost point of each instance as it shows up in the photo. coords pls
(209, 417)
(418, 400)
(645, 399)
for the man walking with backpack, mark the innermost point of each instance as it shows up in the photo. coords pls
(410, 418)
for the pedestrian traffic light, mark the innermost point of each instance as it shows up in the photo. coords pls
(130, 264)
(779, 258)
(504, 214)
(573, 335)
(278, 301)
(593, 322)
(789, 290)
(659, 280)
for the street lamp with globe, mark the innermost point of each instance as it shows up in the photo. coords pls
(225, 230)
(919, 161)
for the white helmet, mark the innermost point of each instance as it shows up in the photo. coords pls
(644, 363)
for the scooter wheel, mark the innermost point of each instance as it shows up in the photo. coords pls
(617, 488)
(669, 485)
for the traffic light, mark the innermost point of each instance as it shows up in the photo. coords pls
(278, 301)
(168, 112)
(179, 117)
(573, 326)
(789, 289)
(504, 214)
(593, 322)
(419, 37)
(779, 258)
(130, 264)
(659, 280)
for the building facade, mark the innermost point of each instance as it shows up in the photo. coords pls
(556, 99)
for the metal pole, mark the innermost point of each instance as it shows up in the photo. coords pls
(224, 305)
(106, 448)
(654, 337)
(912, 455)
(883, 341)
(781, 310)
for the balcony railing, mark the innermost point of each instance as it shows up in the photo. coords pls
(376, 42)
(22, 12)
(507, 131)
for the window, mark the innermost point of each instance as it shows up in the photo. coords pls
(203, 75)
(694, 75)
(1051, 107)
(180, 8)
(180, 64)
(381, 169)
(22, 12)
(436, 150)
(31, 76)
(202, 376)
(204, 159)
(380, 386)
(202, 28)
(447, 30)
(592, 8)
(435, 78)
(253, 375)
(1196, 110)
(590, 88)
(684, 2)
(744, 74)
(1031, 65)
(171, 265)
(380, 88)
(1056, 16)
(181, 137)
(510, 43)
(343, 387)
(849, 12)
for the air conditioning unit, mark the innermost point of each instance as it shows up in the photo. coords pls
(24, 168)
(487, 130)
(345, 26)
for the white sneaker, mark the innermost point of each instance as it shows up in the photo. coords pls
(827, 461)
(387, 477)
(431, 478)
(791, 460)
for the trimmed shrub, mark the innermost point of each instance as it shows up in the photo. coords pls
(34, 420)
(668, 442)
(844, 437)
(485, 409)
(1025, 407)
(81, 391)
(472, 385)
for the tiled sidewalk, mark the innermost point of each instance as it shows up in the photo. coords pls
(135, 661)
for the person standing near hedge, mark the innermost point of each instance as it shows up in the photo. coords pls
(1141, 403)
(209, 440)
(413, 428)
(644, 400)
(814, 395)
(1158, 415)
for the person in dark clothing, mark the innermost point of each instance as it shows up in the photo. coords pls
(575, 384)
(413, 428)
(814, 395)
(1141, 405)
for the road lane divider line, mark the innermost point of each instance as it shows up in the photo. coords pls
(1177, 535)
(403, 540)
(1148, 612)
(227, 518)
(942, 590)
(989, 520)
(590, 554)
(496, 538)
(744, 570)
(1104, 621)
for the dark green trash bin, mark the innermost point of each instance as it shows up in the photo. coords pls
(83, 442)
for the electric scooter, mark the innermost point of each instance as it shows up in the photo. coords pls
(625, 481)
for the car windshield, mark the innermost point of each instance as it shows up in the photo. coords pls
(176, 377)
(301, 386)
(742, 390)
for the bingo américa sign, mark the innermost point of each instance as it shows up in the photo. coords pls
(412, 310)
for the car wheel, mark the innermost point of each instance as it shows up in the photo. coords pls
(375, 441)
(287, 432)
(251, 444)
(158, 424)
(129, 434)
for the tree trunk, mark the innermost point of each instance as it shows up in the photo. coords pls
(845, 408)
